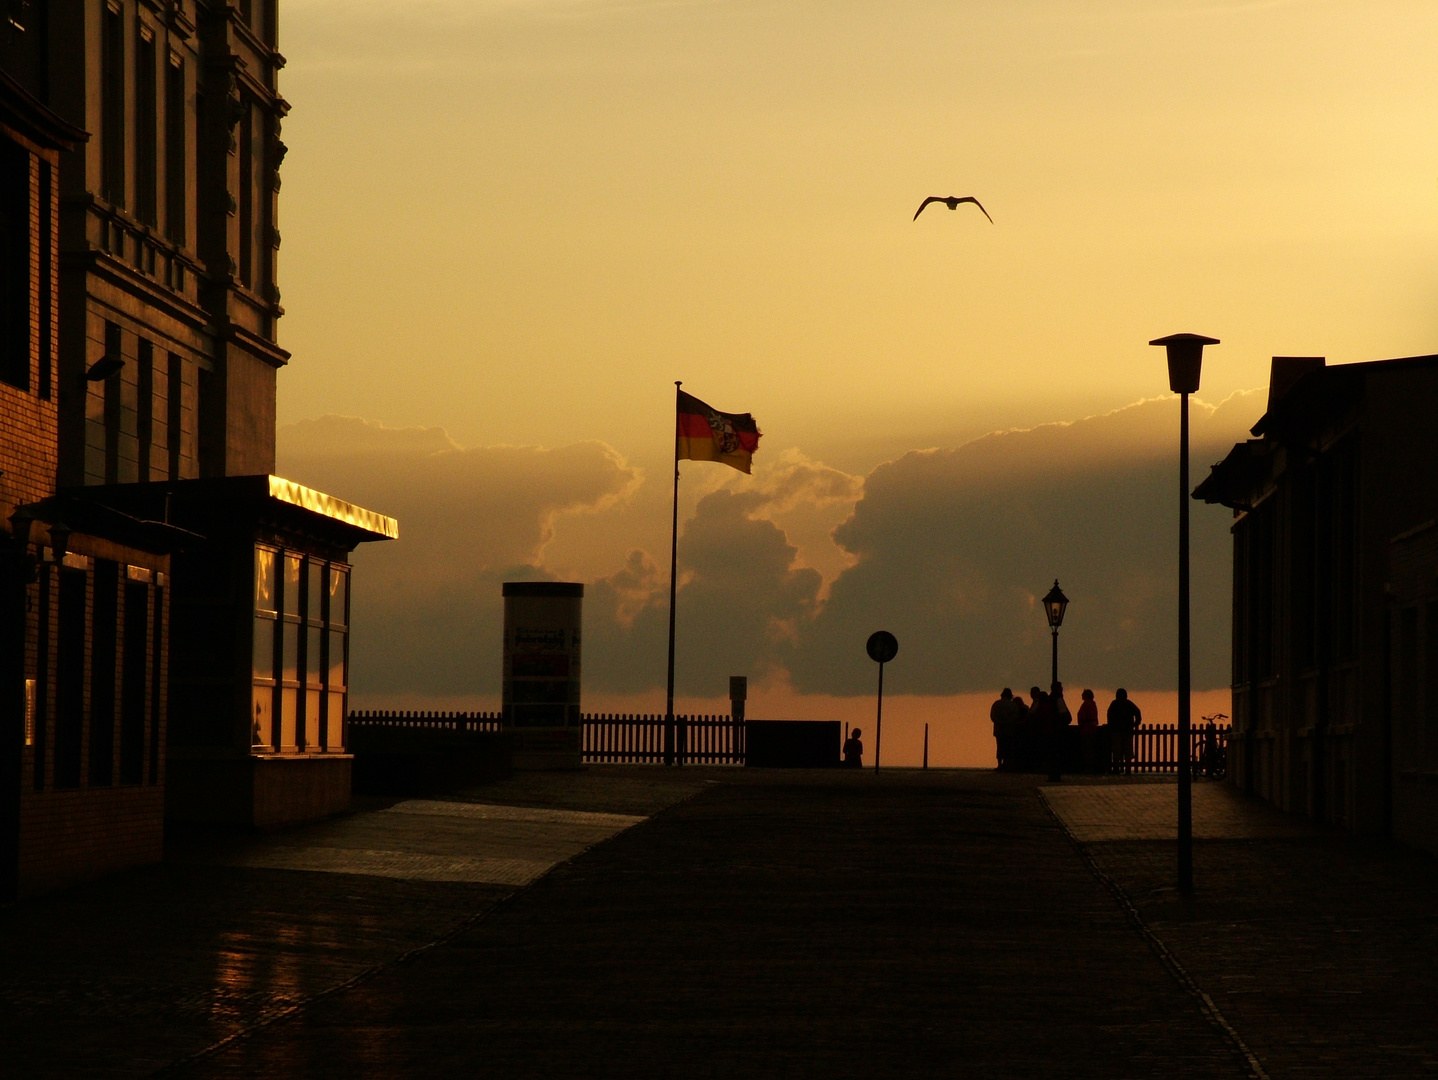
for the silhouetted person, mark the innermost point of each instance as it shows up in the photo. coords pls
(1088, 730)
(853, 750)
(1001, 715)
(1041, 731)
(1123, 717)
(1059, 719)
(1034, 730)
(1062, 717)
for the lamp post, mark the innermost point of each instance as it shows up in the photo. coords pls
(1055, 603)
(1185, 361)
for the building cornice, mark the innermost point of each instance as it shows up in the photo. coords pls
(121, 274)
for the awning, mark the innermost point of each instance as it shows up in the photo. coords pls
(228, 504)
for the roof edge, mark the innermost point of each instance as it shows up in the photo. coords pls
(317, 502)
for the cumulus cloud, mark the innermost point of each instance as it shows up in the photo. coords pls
(804, 498)
(742, 603)
(427, 606)
(783, 575)
(953, 548)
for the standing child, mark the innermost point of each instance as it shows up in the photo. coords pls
(853, 750)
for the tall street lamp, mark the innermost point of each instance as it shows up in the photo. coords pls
(1055, 604)
(1185, 360)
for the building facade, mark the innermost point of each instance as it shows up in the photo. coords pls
(175, 617)
(84, 595)
(1335, 622)
(168, 301)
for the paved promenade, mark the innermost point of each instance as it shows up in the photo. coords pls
(650, 923)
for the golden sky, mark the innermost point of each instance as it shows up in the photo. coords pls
(523, 219)
(509, 225)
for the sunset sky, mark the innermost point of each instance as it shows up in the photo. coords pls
(510, 225)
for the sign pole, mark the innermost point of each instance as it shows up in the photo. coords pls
(879, 720)
(882, 647)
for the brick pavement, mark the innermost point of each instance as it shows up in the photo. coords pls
(822, 924)
(806, 924)
(1120, 809)
(127, 974)
(437, 840)
(1317, 948)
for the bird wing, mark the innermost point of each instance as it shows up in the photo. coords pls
(931, 198)
(970, 198)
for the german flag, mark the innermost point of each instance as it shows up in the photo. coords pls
(705, 434)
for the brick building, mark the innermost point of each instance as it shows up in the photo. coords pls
(1335, 595)
(138, 370)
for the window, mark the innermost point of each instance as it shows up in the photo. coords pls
(1430, 685)
(14, 265)
(47, 278)
(112, 106)
(313, 725)
(247, 195)
(146, 121)
(42, 679)
(134, 668)
(176, 170)
(262, 732)
(157, 658)
(210, 422)
(1345, 549)
(120, 413)
(337, 673)
(289, 673)
(1406, 699)
(103, 643)
(174, 403)
(300, 654)
(144, 408)
(70, 679)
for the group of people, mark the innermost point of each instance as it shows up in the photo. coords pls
(1034, 734)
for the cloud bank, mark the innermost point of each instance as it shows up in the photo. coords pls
(784, 575)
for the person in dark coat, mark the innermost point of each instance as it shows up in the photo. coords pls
(1001, 715)
(1123, 717)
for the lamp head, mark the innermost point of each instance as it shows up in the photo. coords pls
(1185, 359)
(20, 523)
(60, 539)
(1054, 605)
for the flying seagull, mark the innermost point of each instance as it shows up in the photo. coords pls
(952, 202)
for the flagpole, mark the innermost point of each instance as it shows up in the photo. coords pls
(673, 575)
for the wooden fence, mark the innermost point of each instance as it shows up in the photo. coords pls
(1155, 748)
(637, 739)
(613, 738)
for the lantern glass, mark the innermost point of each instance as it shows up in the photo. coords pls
(1055, 604)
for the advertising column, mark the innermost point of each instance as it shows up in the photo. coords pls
(541, 672)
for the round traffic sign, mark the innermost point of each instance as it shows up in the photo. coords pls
(883, 646)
